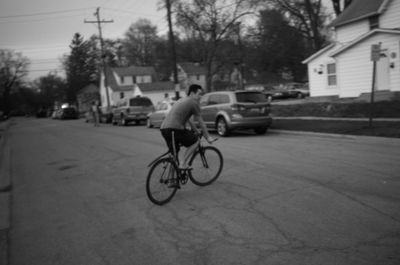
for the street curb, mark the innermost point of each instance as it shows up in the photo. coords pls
(335, 118)
(5, 180)
(5, 188)
(334, 135)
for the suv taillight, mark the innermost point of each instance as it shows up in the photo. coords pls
(237, 107)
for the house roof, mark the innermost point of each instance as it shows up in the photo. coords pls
(112, 83)
(193, 68)
(362, 38)
(126, 71)
(157, 86)
(134, 70)
(360, 9)
(89, 89)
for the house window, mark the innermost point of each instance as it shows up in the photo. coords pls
(198, 77)
(373, 22)
(122, 79)
(331, 70)
(121, 95)
(140, 79)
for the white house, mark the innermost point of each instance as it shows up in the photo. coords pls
(132, 81)
(191, 73)
(344, 68)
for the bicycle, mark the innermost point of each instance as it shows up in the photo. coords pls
(165, 177)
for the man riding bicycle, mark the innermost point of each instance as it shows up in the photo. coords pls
(176, 120)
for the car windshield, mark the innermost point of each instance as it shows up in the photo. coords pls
(140, 102)
(254, 97)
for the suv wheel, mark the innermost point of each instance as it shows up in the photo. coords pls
(148, 123)
(261, 130)
(222, 127)
(123, 121)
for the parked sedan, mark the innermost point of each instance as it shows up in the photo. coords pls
(155, 118)
(298, 90)
(273, 93)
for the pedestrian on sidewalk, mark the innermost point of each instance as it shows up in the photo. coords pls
(96, 113)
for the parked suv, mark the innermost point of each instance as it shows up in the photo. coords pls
(225, 111)
(134, 109)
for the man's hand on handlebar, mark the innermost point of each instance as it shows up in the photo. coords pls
(210, 139)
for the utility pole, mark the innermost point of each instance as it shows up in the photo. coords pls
(172, 43)
(375, 56)
(103, 55)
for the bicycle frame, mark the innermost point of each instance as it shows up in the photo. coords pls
(159, 157)
(174, 154)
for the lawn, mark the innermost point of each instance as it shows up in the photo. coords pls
(382, 109)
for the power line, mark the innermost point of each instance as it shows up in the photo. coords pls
(45, 13)
(42, 70)
(49, 62)
(131, 12)
(39, 48)
(38, 19)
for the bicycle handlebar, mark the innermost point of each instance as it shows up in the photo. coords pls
(200, 135)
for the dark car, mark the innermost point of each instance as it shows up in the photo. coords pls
(273, 93)
(41, 113)
(226, 111)
(67, 113)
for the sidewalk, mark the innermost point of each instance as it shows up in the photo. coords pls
(5, 186)
(335, 118)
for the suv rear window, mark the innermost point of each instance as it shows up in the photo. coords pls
(218, 99)
(140, 102)
(253, 97)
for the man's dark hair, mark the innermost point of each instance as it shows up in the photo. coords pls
(194, 88)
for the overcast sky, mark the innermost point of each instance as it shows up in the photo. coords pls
(43, 29)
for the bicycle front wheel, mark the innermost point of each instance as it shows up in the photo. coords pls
(207, 164)
(159, 181)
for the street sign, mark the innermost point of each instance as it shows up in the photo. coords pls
(375, 52)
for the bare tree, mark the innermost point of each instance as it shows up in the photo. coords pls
(211, 22)
(307, 16)
(139, 42)
(13, 67)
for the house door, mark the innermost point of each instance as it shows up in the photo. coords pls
(382, 73)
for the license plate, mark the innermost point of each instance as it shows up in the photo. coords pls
(255, 110)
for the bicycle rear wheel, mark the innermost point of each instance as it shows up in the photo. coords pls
(207, 164)
(159, 180)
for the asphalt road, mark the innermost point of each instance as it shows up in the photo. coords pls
(79, 197)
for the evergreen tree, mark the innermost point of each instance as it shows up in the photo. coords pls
(80, 66)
